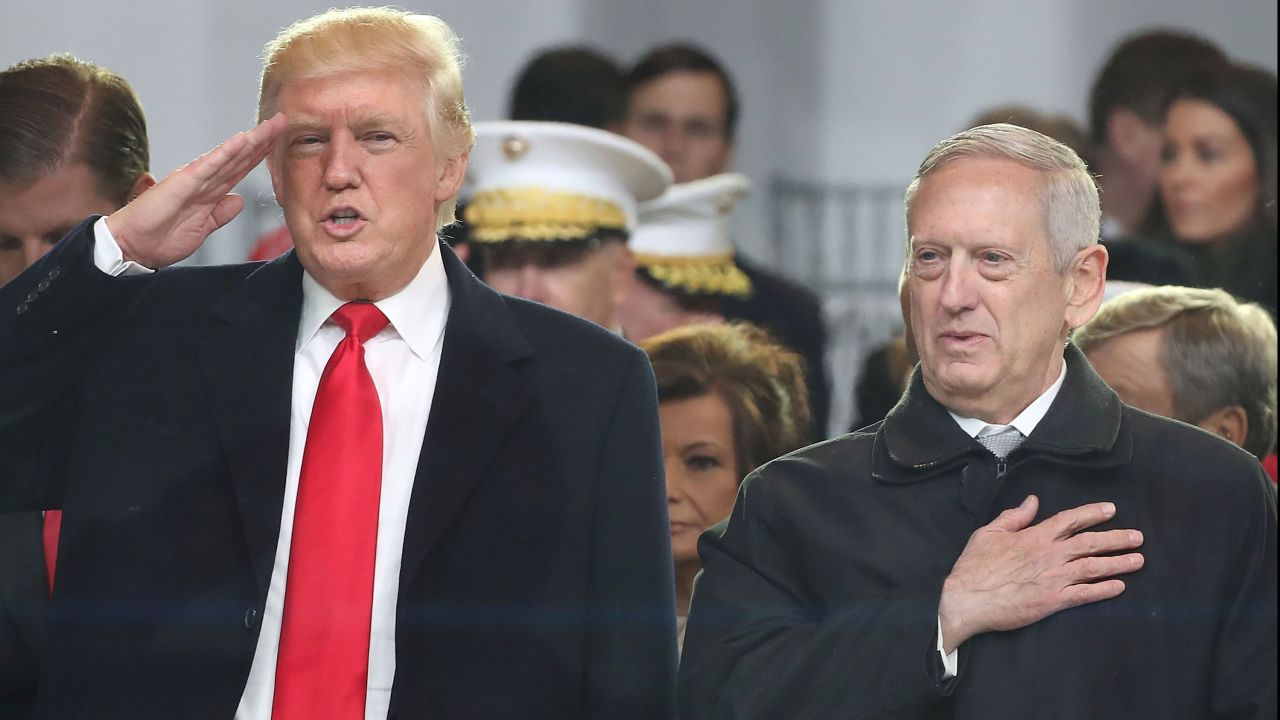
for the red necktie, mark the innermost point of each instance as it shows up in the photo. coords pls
(323, 666)
(49, 534)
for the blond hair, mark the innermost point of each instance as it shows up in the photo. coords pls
(366, 38)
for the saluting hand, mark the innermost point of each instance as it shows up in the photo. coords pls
(170, 221)
(1012, 574)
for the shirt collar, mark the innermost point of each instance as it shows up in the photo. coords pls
(1026, 420)
(417, 313)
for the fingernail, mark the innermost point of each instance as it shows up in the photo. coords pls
(1135, 537)
(1108, 509)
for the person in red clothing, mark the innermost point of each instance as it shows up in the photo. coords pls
(1191, 354)
(75, 145)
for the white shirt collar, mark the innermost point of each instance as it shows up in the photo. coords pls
(417, 313)
(1026, 420)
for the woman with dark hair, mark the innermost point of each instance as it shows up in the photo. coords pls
(1218, 178)
(730, 398)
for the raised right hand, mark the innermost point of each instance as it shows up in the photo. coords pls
(170, 221)
(1012, 574)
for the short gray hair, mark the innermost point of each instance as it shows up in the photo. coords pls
(1218, 352)
(1068, 194)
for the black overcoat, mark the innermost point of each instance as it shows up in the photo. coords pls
(536, 578)
(819, 596)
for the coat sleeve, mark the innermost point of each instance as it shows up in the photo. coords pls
(52, 319)
(758, 646)
(631, 654)
(1244, 669)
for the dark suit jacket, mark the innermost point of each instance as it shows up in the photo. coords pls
(24, 601)
(793, 315)
(819, 597)
(536, 578)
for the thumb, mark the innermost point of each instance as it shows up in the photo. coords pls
(1017, 518)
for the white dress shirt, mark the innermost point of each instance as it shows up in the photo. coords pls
(404, 360)
(1025, 422)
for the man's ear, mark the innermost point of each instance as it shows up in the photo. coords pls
(1086, 280)
(144, 183)
(730, 156)
(622, 273)
(463, 251)
(452, 173)
(1230, 422)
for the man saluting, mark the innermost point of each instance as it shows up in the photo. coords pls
(352, 482)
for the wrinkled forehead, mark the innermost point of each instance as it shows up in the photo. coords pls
(389, 85)
(976, 195)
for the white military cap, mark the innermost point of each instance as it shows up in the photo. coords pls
(556, 181)
(683, 238)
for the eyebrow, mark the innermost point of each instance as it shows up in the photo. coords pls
(378, 120)
(359, 123)
(293, 125)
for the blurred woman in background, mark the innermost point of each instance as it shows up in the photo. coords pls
(730, 398)
(1218, 179)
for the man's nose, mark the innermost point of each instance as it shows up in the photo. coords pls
(341, 168)
(673, 141)
(958, 287)
(531, 283)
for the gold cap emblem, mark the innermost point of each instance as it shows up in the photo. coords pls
(514, 147)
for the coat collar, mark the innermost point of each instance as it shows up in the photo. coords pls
(246, 360)
(1083, 426)
(480, 393)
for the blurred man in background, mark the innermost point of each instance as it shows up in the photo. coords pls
(566, 84)
(75, 144)
(682, 104)
(1191, 354)
(551, 209)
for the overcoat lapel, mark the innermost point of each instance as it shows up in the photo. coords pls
(247, 366)
(479, 395)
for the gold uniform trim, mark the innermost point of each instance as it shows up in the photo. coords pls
(535, 214)
(705, 274)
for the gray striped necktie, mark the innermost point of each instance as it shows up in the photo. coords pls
(1002, 443)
